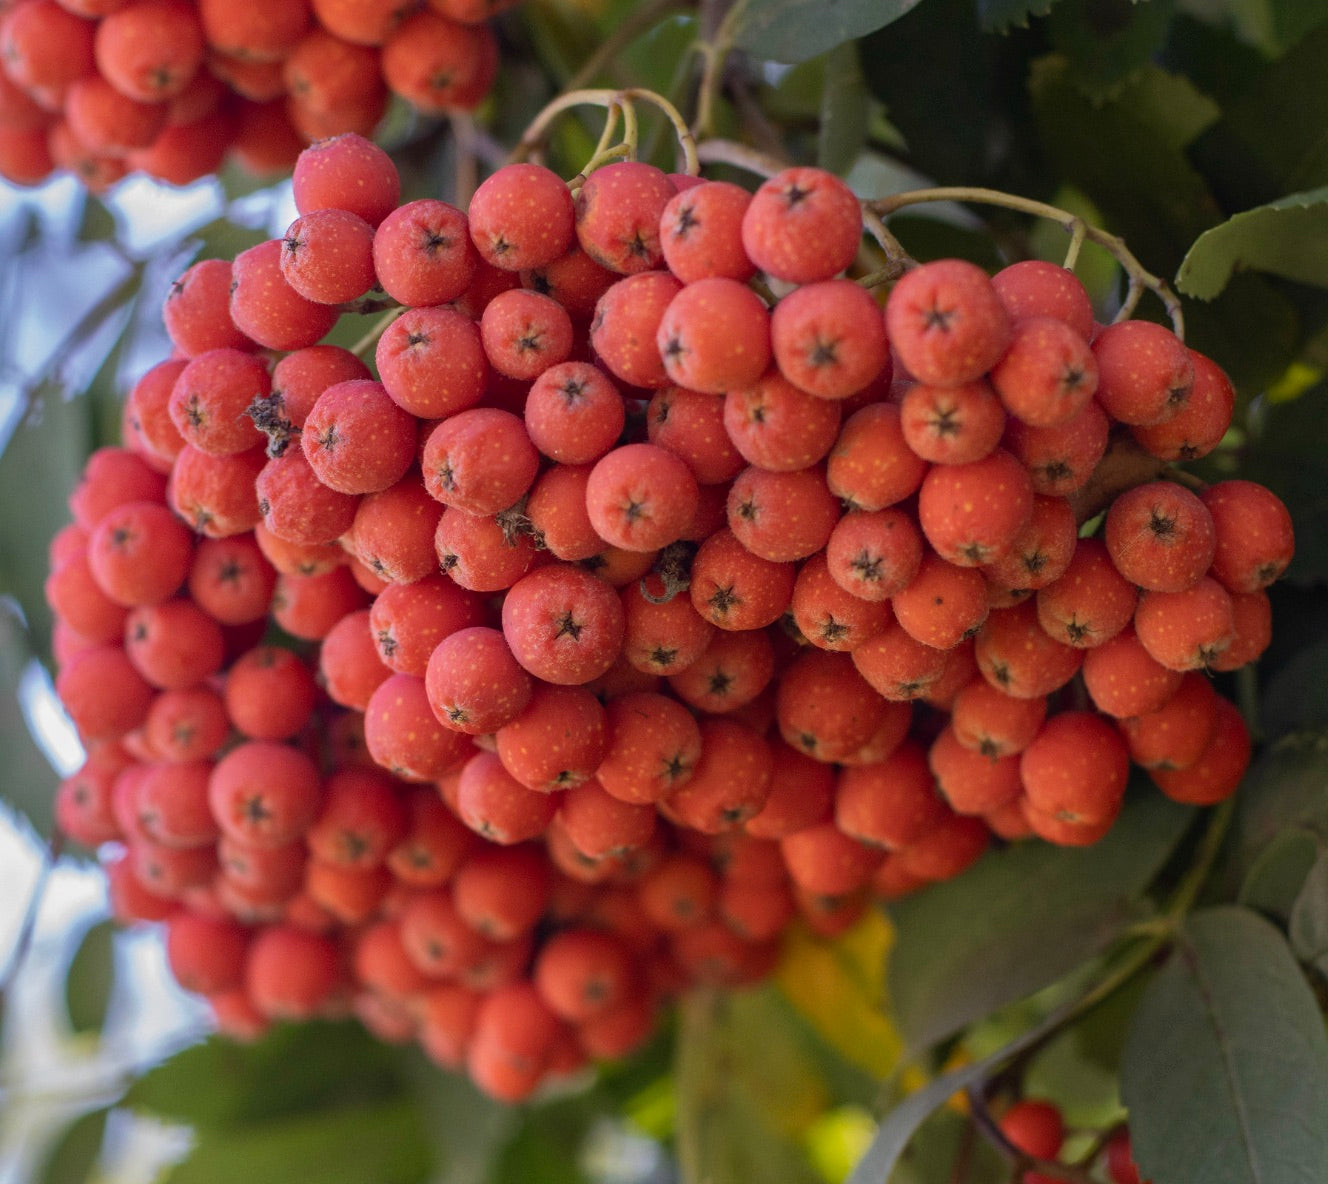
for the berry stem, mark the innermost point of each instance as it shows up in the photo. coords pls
(1187, 891)
(376, 330)
(539, 126)
(897, 260)
(740, 156)
(1140, 280)
(714, 52)
(467, 173)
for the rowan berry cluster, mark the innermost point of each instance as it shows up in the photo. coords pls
(174, 88)
(616, 619)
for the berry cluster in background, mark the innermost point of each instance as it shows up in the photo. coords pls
(622, 614)
(176, 88)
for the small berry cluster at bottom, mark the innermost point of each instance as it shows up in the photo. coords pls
(629, 614)
(1035, 1127)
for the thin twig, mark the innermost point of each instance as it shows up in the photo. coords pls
(714, 53)
(376, 330)
(1140, 279)
(467, 157)
(740, 156)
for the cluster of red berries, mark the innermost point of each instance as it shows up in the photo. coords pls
(172, 88)
(621, 619)
(1036, 1127)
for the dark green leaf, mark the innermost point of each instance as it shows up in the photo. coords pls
(1296, 696)
(98, 223)
(1309, 918)
(1020, 919)
(998, 16)
(747, 1089)
(1286, 787)
(1252, 330)
(795, 30)
(1125, 157)
(1100, 1035)
(1277, 875)
(295, 1067)
(224, 239)
(1108, 40)
(1225, 1070)
(845, 111)
(466, 1128)
(1270, 140)
(971, 94)
(1213, 57)
(379, 1143)
(1287, 455)
(37, 470)
(1288, 238)
(546, 1147)
(91, 978)
(28, 781)
(75, 1151)
(1289, 21)
(931, 238)
(936, 1148)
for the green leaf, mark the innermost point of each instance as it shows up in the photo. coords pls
(91, 978)
(1252, 330)
(466, 1128)
(38, 468)
(795, 30)
(28, 782)
(1287, 787)
(747, 1090)
(1296, 696)
(1276, 876)
(221, 1085)
(1270, 140)
(967, 98)
(379, 1143)
(999, 16)
(1288, 238)
(845, 111)
(1020, 919)
(936, 1148)
(1125, 156)
(546, 1147)
(1287, 455)
(98, 222)
(1106, 41)
(224, 239)
(74, 1153)
(1225, 1070)
(1309, 918)
(1289, 21)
